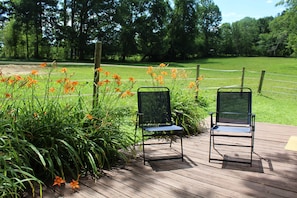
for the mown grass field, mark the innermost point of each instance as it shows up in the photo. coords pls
(275, 104)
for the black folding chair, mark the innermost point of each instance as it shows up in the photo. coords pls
(233, 123)
(155, 120)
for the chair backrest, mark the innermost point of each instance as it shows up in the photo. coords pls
(234, 105)
(154, 106)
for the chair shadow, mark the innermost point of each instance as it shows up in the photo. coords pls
(171, 164)
(257, 165)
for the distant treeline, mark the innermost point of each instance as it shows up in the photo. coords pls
(154, 30)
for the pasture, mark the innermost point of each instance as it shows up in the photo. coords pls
(275, 104)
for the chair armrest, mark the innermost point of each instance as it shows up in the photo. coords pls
(253, 121)
(211, 119)
(138, 115)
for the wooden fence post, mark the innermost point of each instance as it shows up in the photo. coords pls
(261, 81)
(97, 61)
(242, 77)
(197, 82)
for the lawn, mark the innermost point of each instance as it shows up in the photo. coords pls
(275, 104)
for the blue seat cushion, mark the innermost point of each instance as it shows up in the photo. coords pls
(163, 128)
(238, 129)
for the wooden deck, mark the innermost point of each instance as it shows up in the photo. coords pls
(273, 174)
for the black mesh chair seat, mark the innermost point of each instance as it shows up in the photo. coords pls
(154, 117)
(233, 119)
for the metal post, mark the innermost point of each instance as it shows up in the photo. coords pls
(97, 61)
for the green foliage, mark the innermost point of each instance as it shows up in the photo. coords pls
(189, 113)
(56, 134)
(152, 30)
(186, 110)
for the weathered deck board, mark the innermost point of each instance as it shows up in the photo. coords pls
(273, 174)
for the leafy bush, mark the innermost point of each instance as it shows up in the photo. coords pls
(57, 135)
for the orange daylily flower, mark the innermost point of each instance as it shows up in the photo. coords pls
(117, 89)
(107, 81)
(7, 95)
(74, 83)
(43, 64)
(126, 94)
(52, 89)
(118, 82)
(173, 75)
(10, 81)
(3, 79)
(89, 116)
(34, 72)
(18, 77)
(64, 70)
(100, 83)
(192, 85)
(116, 77)
(150, 70)
(74, 184)
(107, 73)
(99, 69)
(58, 181)
(131, 79)
(200, 78)
(162, 65)
(160, 79)
(31, 81)
(69, 86)
(164, 73)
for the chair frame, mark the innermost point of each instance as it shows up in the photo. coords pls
(228, 128)
(157, 129)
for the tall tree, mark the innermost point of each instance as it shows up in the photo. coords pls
(246, 35)
(183, 29)
(210, 18)
(151, 27)
(226, 43)
(34, 15)
(127, 14)
(289, 18)
(279, 36)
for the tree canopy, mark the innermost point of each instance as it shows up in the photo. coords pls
(155, 30)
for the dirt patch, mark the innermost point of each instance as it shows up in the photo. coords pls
(10, 70)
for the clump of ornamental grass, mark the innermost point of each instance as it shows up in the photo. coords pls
(50, 131)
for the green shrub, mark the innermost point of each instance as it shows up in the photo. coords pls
(57, 134)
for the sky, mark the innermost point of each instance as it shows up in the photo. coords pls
(235, 10)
